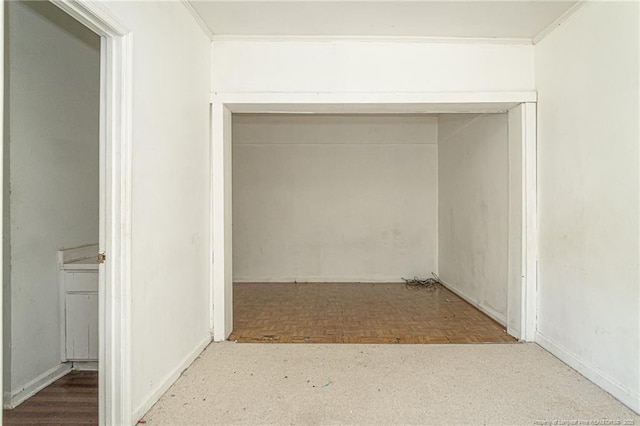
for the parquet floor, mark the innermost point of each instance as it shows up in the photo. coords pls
(357, 313)
(71, 400)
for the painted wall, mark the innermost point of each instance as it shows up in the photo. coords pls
(587, 74)
(473, 171)
(170, 178)
(52, 169)
(334, 198)
(516, 128)
(369, 66)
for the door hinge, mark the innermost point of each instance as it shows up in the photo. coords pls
(102, 257)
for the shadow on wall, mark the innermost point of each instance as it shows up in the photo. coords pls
(64, 21)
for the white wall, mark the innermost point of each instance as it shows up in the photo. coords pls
(473, 168)
(170, 175)
(587, 76)
(52, 161)
(516, 263)
(334, 197)
(255, 65)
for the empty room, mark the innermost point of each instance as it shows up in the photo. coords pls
(320, 212)
(331, 211)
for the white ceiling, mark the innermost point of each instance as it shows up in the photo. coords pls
(474, 19)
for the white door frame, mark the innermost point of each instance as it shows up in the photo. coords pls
(529, 299)
(523, 243)
(224, 104)
(115, 207)
(2, 206)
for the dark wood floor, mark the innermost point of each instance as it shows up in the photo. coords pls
(71, 400)
(357, 313)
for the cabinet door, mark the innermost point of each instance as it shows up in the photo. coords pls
(82, 326)
(85, 281)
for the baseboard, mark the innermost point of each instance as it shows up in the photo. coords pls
(169, 379)
(85, 365)
(37, 384)
(513, 332)
(495, 315)
(600, 378)
(364, 280)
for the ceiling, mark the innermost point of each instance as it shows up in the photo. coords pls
(468, 19)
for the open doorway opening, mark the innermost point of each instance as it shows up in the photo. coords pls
(51, 191)
(331, 211)
(508, 119)
(114, 240)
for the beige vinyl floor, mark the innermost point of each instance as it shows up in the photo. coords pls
(322, 384)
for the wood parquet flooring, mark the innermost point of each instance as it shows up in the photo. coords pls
(357, 313)
(70, 400)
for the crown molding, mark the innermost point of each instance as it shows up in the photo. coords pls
(371, 39)
(196, 16)
(559, 21)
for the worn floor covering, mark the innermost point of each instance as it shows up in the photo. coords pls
(313, 384)
(357, 313)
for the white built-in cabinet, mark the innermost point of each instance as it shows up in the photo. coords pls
(79, 303)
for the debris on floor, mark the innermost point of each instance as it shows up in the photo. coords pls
(426, 283)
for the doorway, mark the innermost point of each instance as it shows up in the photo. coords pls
(330, 212)
(93, 270)
(519, 110)
(51, 189)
